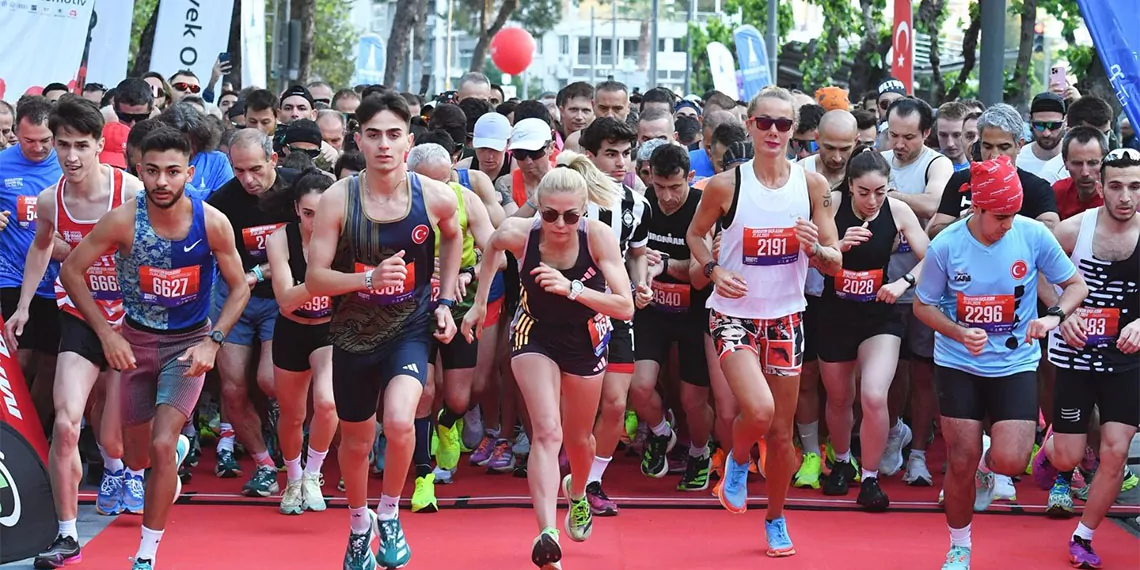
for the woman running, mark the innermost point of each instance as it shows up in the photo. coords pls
(568, 266)
(303, 352)
(859, 325)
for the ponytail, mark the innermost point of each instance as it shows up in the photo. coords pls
(599, 188)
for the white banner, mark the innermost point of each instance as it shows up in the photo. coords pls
(253, 43)
(42, 42)
(190, 34)
(110, 42)
(723, 69)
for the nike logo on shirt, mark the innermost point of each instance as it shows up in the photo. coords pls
(187, 248)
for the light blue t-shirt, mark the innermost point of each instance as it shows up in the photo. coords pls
(993, 288)
(21, 181)
(211, 170)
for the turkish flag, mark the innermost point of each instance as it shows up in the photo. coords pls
(902, 60)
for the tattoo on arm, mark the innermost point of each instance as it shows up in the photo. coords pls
(827, 199)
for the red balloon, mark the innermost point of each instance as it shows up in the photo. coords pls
(3, 87)
(34, 90)
(512, 50)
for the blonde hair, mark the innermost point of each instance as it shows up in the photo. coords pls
(772, 92)
(599, 188)
(562, 180)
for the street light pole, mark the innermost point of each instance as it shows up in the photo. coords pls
(991, 88)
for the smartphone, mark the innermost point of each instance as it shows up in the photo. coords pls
(1058, 81)
(224, 57)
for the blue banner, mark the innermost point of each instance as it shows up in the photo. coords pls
(370, 60)
(753, 57)
(1108, 22)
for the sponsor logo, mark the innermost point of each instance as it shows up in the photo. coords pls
(189, 248)
(961, 277)
(10, 509)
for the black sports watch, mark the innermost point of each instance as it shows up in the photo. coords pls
(910, 280)
(449, 303)
(709, 267)
(218, 337)
(1056, 311)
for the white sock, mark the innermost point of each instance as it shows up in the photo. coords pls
(136, 473)
(844, 457)
(698, 452)
(598, 468)
(261, 458)
(148, 546)
(809, 436)
(112, 464)
(1082, 531)
(293, 469)
(896, 429)
(870, 474)
(920, 454)
(388, 508)
(226, 442)
(661, 428)
(67, 528)
(315, 461)
(960, 536)
(358, 520)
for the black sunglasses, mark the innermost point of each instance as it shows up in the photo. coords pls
(131, 118)
(798, 145)
(1125, 155)
(1041, 126)
(312, 152)
(764, 123)
(551, 216)
(522, 154)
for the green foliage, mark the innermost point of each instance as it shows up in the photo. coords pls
(538, 17)
(143, 10)
(754, 12)
(334, 42)
(535, 16)
(1069, 14)
(823, 57)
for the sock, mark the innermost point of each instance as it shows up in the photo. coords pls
(315, 461)
(598, 469)
(661, 428)
(1081, 532)
(67, 528)
(148, 546)
(226, 438)
(870, 474)
(112, 464)
(421, 455)
(263, 458)
(293, 469)
(918, 453)
(448, 418)
(358, 519)
(809, 436)
(844, 457)
(388, 507)
(698, 452)
(896, 429)
(960, 536)
(136, 473)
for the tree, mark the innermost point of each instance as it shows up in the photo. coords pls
(1018, 95)
(419, 44)
(823, 57)
(303, 11)
(931, 15)
(484, 18)
(143, 22)
(969, 53)
(869, 65)
(402, 23)
(753, 12)
(490, 23)
(334, 48)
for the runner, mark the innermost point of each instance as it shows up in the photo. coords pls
(560, 338)
(1096, 351)
(167, 344)
(372, 248)
(984, 352)
(765, 207)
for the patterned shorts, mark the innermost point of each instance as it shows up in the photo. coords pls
(779, 343)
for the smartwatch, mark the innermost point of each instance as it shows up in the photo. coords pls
(1056, 311)
(576, 288)
(449, 303)
(709, 267)
(910, 280)
(218, 337)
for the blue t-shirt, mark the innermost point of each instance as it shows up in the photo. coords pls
(963, 166)
(993, 288)
(701, 164)
(211, 170)
(21, 181)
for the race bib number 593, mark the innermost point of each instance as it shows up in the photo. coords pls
(1102, 325)
(26, 211)
(770, 246)
(991, 313)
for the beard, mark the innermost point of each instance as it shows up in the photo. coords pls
(175, 197)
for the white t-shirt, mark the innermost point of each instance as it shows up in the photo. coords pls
(1028, 161)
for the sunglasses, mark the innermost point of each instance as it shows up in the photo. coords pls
(312, 152)
(1041, 126)
(522, 154)
(183, 86)
(764, 123)
(131, 118)
(1125, 155)
(551, 216)
(798, 145)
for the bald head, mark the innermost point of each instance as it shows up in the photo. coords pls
(838, 134)
(839, 123)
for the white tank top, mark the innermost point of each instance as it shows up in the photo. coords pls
(760, 244)
(909, 179)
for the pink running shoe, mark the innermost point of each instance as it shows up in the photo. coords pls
(1044, 474)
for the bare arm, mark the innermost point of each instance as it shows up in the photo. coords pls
(509, 237)
(937, 320)
(320, 278)
(1066, 233)
(925, 205)
(938, 223)
(826, 257)
(442, 205)
(503, 189)
(1050, 219)
(714, 203)
(911, 229)
(483, 188)
(220, 234)
(479, 222)
(289, 296)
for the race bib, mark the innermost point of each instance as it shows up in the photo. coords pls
(670, 297)
(434, 289)
(991, 313)
(859, 286)
(254, 239)
(169, 287)
(1102, 325)
(26, 211)
(904, 246)
(600, 329)
(315, 308)
(770, 246)
(103, 283)
(391, 294)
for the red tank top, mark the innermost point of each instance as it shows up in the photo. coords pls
(101, 278)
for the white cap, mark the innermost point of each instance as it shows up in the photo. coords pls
(491, 131)
(530, 134)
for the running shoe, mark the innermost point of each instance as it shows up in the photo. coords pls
(718, 457)
(1130, 480)
(983, 490)
(443, 476)
(630, 424)
(958, 558)
(483, 451)
(522, 444)
(394, 551)
(110, 499)
(1090, 463)
(195, 448)
(1003, 488)
(580, 519)
(1043, 472)
(809, 472)
(654, 461)
(447, 453)
(502, 459)
(871, 496)
(134, 493)
(293, 498)
(696, 477)
(843, 473)
(263, 483)
(892, 461)
(757, 467)
(733, 489)
(313, 497)
(358, 555)
(63, 550)
(1060, 504)
(1036, 448)
(779, 543)
(546, 552)
(677, 459)
(379, 449)
(1081, 554)
(423, 499)
(227, 467)
(143, 564)
(917, 475)
(520, 471)
(600, 503)
(181, 450)
(472, 432)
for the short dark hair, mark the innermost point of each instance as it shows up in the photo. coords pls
(140, 131)
(93, 87)
(345, 94)
(506, 107)
(185, 72)
(186, 118)
(473, 109)
(1083, 134)
(134, 91)
(808, 118)
(658, 95)
(603, 130)
(655, 114)
(36, 109)
(380, 101)
(907, 106)
(865, 119)
(441, 138)
(351, 160)
(865, 159)
(1089, 110)
(450, 118)
(78, 115)
(668, 159)
(718, 99)
(611, 86)
(728, 133)
(166, 138)
(573, 91)
(260, 100)
(687, 127)
(6, 108)
(531, 109)
(55, 87)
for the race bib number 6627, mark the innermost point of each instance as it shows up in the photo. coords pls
(169, 287)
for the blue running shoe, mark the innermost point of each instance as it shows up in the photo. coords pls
(110, 499)
(358, 555)
(733, 491)
(134, 493)
(378, 450)
(779, 543)
(394, 551)
(142, 564)
(957, 559)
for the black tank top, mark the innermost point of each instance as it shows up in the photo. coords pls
(317, 307)
(666, 233)
(865, 265)
(549, 308)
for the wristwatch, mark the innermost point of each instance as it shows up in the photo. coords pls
(910, 280)
(576, 288)
(368, 280)
(218, 337)
(709, 268)
(449, 303)
(1056, 311)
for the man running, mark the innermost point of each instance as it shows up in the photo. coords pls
(373, 248)
(167, 247)
(776, 219)
(978, 291)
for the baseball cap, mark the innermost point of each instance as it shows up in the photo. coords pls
(892, 86)
(303, 131)
(1047, 103)
(529, 134)
(297, 91)
(492, 131)
(115, 144)
(687, 103)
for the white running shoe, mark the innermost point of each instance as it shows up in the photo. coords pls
(443, 476)
(1003, 488)
(292, 499)
(314, 499)
(892, 461)
(917, 474)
